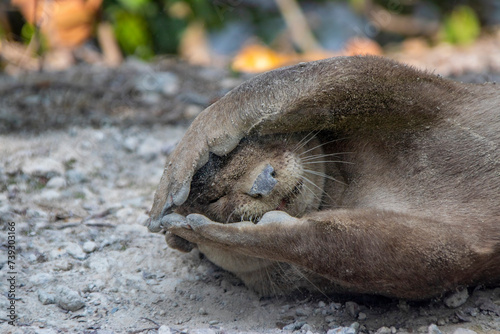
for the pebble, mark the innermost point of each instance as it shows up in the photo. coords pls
(361, 316)
(68, 299)
(202, 311)
(150, 149)
(45, 167)
(464, 331)
(306, 328)
(56, 182)
(213, 322)
(342, 330)
(456, 299)
(329, 318)
(164, 330)
(41, 278)
(98, 264)
(46, 298)
(321, 304)
(433, 329)
(89, 246)
(352, 309)
(75, 251)
(74, 176)
(49, 195)
(130, 144)
(294, 326)
(301, 312)
(383, 330)
(201, 331)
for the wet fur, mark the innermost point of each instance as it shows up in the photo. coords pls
(420, 210)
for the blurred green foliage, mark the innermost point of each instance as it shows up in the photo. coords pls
(461, 26)
(145, 28)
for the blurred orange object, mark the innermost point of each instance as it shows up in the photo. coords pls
(255, 58)
(362, 46)
(65, 23)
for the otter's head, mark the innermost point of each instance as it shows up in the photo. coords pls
(262, 174)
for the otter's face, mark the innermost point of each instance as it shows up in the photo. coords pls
(261, 175)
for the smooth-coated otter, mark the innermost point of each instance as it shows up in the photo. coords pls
(416, 211)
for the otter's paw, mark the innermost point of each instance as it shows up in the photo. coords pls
(189, 227)
(276, 217)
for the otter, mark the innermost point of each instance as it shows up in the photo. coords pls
(407, 196)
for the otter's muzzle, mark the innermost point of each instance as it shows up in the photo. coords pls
(264, 183)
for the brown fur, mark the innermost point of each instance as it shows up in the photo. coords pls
(419, 213)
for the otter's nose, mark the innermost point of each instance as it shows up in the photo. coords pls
(264, 183)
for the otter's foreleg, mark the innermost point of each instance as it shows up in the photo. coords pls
(364, 250)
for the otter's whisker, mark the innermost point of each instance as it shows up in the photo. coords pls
(314, 184)
(322, 144)
(303, 142)
(313, 192)
(323, 175)
(318, 156)
(327, 161)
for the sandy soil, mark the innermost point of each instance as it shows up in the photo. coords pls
(78, 169)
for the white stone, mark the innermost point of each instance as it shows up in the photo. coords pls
(56, 182)
(75, 251)
(89, 246)
(43, 167)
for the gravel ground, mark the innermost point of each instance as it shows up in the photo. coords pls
(74, 196)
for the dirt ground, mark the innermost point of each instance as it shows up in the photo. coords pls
(81, 153)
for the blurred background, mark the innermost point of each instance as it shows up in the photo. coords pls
(249, 35)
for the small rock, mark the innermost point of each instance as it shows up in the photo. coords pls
(352, 309)
(361, 316)
(329, 318)
(68, 299)
(46, 298)
(464, 331)
(201, 331)
(45, 167)
(130, 144)
(355, 325)
(89, 246)
(150, 149)
(75, 176)
(164, 330)
(213, 322)
(98, 264)
(383, 330)
(202, 311)
(48, 195)
(306, 328)
(41, 278)
(456, 299)
(56, 182)
(294, 326)
(433, 329)
(301, 312)
(321, 304)
(75, 251)
(341, 330)
(30, 213)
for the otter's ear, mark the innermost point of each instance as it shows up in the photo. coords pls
(176, 242)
